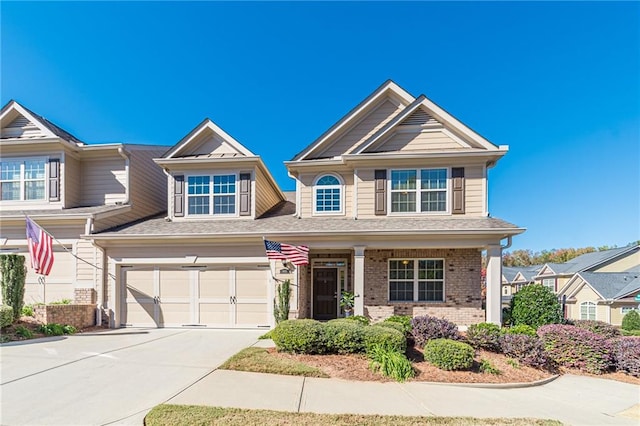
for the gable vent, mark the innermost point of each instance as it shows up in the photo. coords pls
(419, 118)
(20, 123)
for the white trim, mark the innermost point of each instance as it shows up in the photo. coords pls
(340, 186)
(589, 304)
(418, 191)
(207, 124)
(22, 180)
(416, 280)
(22, 111)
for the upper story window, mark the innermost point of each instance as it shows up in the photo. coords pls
(327, 195)
(23, 179)
(423, 190)
(211, 195)
(549, 283)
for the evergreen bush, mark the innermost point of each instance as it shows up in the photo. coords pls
(343, 337)
(394, 325)
(384, 337)
(299, 336)
(13, 274)
(535, 305)
(405, 320)
(484, 336)
(448, 354)
(281, 303)
(6, 316)
(631, 321)
(520, 329)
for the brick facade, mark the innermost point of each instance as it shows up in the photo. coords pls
(84, 296)
(463, 299)
(79, 316)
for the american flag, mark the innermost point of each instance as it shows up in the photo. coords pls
(298, 255)
(40, 248)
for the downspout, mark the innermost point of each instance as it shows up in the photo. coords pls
(509, 242)
(127, 160)
(88, 229)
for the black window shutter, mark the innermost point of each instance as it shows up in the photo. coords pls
(380, 192)
(245, 194)
(178, 195)
(457, 177)
(54, 179)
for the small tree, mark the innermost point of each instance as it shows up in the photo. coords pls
(631, 321)
(535, 305)
(281, 302)
(13, 274)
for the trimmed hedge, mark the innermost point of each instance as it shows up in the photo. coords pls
(299, 336)
(484, 336)
(631, 321)
(6, 315)
(359, 319)
(526, 349)
(405, 320)
(627, 355)
(448, 354)
(573, 347)
(599, 327)
(384, 337)
(343, 336)
(425, 328)
(393, 325)
(525, 329)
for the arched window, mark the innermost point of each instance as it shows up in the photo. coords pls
(327, 195)
(587, 311)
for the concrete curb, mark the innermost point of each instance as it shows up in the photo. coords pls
(492, 385)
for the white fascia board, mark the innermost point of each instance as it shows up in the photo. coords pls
(205, 160)
(381, 156)
(210, 125)
(15, 106)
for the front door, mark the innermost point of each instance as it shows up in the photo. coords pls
(325, 293)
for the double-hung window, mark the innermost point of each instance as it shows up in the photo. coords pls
(327, 193)
(211, 195)
(421, 190)
(549, 283)
(22, 179)
(416, 280)
(588, 311)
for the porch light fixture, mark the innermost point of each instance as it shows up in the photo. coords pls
(405, 262)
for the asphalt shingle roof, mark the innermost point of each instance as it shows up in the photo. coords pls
(612, 285)
(4, 214)
(586, 261)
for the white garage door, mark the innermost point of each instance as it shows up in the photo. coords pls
(188, 296)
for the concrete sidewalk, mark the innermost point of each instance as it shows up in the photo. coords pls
(570, 399)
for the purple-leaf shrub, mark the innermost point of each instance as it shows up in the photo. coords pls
(425, 328)
(526, 349)
(599, 327)
(627, 355)
(573, 347)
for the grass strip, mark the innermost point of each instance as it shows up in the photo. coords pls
(167, 414)
(258, 360)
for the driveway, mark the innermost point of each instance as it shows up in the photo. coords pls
(110, 377)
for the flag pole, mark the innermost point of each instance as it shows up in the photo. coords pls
(42, 280)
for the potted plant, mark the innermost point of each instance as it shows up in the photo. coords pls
(347, 300)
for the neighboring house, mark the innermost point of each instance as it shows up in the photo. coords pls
(392, 201)
(69, 188)
(602, 296)
(514, 278)
(556, 275)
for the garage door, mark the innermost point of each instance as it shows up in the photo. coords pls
(188, 296)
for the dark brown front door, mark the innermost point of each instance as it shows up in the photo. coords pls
(325, 293)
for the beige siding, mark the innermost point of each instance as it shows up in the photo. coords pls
(366, 195)
(586, 294)
(371, 122)
(263, 193)
(418, 142)
(71, 173)
(306, 192)
(104, 181)
(209, 144)
(616, 311)
(475, 183)
(86, 275)
(630, 261)
(148, 192)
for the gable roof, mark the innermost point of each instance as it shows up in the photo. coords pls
(205, 126)
(48, 128)
(611, 285)
(589, 260)
(386, 88)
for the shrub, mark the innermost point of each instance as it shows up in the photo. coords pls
(52, 329)
(393, 325)
(27, 311)
(6, 315)
(525, 329)
(631, 321)
(298, 336)
(390, 363)
(425, 328)
(598, 327)
(535, 305)
(13, 272)
(266, 335)
(61, 302)
(627, 355)
(573, 347)
(360, 319)
(69, 329)
(405, 320)
(281, 302)
(526, 349)
(506, 316)
(448, 354)
(387, 338)
(24, 332)
(630, 332)
(484, 336)
(487, 367)
(343, 337)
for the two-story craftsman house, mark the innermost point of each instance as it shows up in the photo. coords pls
(391, 201)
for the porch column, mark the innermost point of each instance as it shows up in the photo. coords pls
(358, 280)
(494, 281)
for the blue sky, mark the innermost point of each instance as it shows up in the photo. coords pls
(557, 82)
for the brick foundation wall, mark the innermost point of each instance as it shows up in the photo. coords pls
(84, 296)
(463, 299)
(79, 316)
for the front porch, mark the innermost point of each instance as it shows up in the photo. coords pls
(437, 282)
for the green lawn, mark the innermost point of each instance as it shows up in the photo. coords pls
(258, 360)
(198, 415)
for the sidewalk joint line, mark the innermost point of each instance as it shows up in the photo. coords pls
(304, 380)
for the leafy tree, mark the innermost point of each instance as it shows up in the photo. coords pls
(13, 274)
(535, 305)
